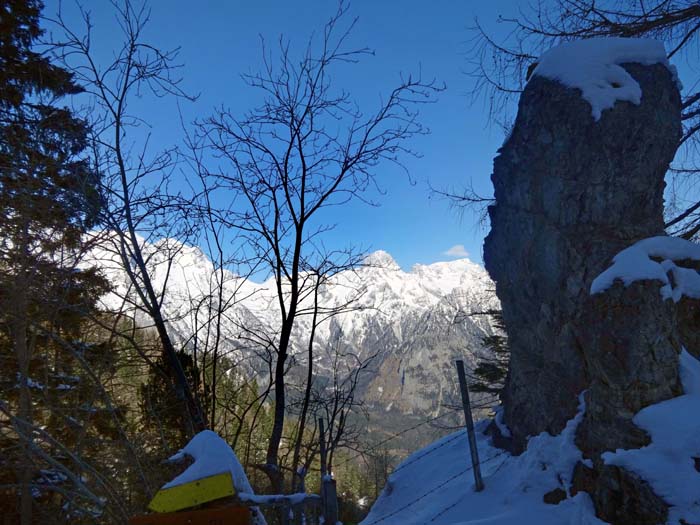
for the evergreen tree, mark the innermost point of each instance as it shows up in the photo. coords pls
(159, 404)
(49, 199)
(490, 372)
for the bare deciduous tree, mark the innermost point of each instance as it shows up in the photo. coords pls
(322, 277)
(307, 147)
(139, 206)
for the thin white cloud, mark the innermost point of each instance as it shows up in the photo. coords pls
(457, 251)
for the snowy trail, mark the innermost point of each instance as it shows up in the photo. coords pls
(435, 484)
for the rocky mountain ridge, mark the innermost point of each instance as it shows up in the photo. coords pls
(413, 323)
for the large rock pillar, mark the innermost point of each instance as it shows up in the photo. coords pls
(570, 192)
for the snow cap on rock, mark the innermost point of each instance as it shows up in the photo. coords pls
(637, 263)
(594, 66)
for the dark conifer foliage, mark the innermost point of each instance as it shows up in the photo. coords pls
(49, 199)
(490, 373)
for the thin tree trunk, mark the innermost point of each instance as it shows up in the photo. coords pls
(217, 339)
(273, 469)
(307, 394)
(273, 466)
(22, 352)
(196, 418)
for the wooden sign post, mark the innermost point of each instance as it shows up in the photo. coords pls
(216, 516)
(329, 495)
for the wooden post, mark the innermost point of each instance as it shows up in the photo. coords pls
(329, 495)
(330, 501)
(478, 481)
(285, 507)
(322, 437)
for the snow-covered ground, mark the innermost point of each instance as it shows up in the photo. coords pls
(436, 484)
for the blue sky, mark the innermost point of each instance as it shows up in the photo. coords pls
(219, 40)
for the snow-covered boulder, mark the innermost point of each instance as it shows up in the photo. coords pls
(671, 263)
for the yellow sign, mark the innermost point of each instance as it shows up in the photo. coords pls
(193, 493)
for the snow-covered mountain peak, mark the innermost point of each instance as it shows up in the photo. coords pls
(381, 259)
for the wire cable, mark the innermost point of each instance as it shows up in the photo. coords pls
(374, 447)
(438, 487)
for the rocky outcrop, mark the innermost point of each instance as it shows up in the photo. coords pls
(688, 321)
(570, 193)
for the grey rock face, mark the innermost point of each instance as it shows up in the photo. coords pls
(621, 496)
(630, 340)
(688, 322)
(570, 193)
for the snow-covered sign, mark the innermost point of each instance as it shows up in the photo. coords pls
(594, 66)
(212, 456)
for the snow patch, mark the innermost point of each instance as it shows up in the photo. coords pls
(498, 419)
(212, 455)
(292, 499)
(636, 264)
(594, 66)
(30, 382)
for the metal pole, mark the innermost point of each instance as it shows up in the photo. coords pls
(478, 481)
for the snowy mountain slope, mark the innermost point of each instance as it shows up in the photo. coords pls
(406, 318)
